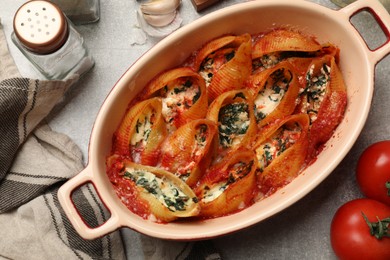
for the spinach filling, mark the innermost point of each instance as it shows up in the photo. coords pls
(315, 85)
(182, 88)
(230, 55)
(208, 63)
(271, 59)
(239, 171)
(236, 172)
(144, 127)
(276, 87)
(212, 63)
(259, 115)
(170, 195)
(315, 89)
(278, 144)
(234, 120)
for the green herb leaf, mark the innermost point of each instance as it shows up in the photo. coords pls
(230, 56)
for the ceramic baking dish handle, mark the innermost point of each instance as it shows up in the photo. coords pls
(383, 19)
(65, 199)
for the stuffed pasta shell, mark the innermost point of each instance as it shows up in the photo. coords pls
(187, 152)
(234, 114)
(165, 195)
(228, 186)
(225, 63)
(183, 95)
(271, 48)
(281, 152)
(324, 100)
(301, 64)
(275, 92)
(141, 132)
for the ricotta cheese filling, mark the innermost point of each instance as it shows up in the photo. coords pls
(316, 89)
(178, 98)
(236, 172)
(142, 131)
(271, 95)
(207, 76)
(163, 189)
(283, 139)
(266, 61)
(214, 192)
(233, 123)
(213, 62)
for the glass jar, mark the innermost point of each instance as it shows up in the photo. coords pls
(80, 11)
(49, 40)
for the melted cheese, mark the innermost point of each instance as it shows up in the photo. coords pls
(266, 61)
(267, 100)
(213, 193)
(142, 132)
(276, 145)
(316, 89)
(207, 76)
(270, 97)
(178, 99)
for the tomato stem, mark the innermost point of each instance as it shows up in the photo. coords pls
(388, 187)
(378, 229)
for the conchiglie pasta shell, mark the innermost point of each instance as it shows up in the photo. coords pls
(301, 66)
(127, 129)
(126, 189)
(284, 168)
(337, 81)
(312, 66)
(284, 40)
(230, 97)
(163, 79)
(256, 82)
(159, 210)
(331, 111)
(238, 195)
(212, 46)
(197, 110)
(232, 75)
(181, 153)
(288, 103)
(332, 50)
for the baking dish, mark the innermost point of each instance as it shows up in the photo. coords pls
(357, 63)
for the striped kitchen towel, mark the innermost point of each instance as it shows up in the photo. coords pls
(34, 162)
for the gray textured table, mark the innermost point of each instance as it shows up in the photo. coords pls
(299, 232)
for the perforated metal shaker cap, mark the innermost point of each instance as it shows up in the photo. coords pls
(40, 26)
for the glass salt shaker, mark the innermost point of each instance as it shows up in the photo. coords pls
(80, 11)
(49, 40)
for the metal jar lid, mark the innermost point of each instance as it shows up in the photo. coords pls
(40, 26)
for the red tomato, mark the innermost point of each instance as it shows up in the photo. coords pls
(350, 234)
(373, 171)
